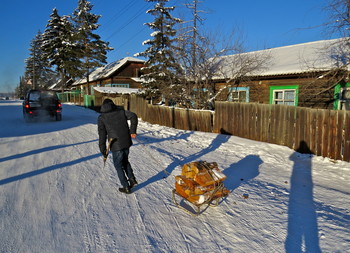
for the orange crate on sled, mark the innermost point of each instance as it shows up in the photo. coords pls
(200, 183)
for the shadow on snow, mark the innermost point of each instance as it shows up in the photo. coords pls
(47, 169)
(302, 231)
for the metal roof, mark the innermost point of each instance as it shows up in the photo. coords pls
(108, 70)
(295, 59)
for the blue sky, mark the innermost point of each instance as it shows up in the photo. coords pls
(265, 24)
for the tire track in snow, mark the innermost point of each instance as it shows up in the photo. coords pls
(161, 157)
(87, 185)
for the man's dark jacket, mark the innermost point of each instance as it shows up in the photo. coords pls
(113, 123)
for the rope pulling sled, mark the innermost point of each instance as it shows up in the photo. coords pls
(200, 184)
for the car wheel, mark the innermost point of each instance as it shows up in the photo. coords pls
(58, 117)
(27, 118)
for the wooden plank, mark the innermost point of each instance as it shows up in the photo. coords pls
(332, 134)
(346, 145)
(235, 123)
(285, 125)
(254, 120)
(266, 122)
(306, 125)
(221, 125)
(325, 133)
(319, 132)
(282, 125)
(216, 118)
(239, 120)
(304, 140)
(231, 118)
(220, 115)
(271, 134)
(276, 125)
(259, 123)
(226, 118)
(246, 120)
(339, 135)
(290, 126)
(297, 129)
(312, 130)
(243, 120)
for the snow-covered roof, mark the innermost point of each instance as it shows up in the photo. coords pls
(116, 90)
(57, 84)
(108, 70)
(138, 79)
(295, 59)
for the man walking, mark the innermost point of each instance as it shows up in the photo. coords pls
(113, 125)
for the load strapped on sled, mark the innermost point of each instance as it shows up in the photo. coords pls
(200, 183)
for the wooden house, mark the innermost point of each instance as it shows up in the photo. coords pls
(311, 74)
(124, 74)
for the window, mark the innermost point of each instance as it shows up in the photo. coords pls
(34, 96)
(238, 94)
(122, 85)
(284, 95)
(344, 98)
(92, 90)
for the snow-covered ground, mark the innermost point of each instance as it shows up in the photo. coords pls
(55, 195)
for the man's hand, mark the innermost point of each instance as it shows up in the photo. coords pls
(133, 136)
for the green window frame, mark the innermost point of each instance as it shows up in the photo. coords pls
(338, 90)
(286, 95)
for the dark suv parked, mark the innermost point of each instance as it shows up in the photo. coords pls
(38, 103)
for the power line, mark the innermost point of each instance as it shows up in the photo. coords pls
(120, 13)
(132, 19)
(139, 13)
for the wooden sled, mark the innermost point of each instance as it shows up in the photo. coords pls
(199, 186)
(196, 208)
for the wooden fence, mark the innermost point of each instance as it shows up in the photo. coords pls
(321, 132)
(178, 118)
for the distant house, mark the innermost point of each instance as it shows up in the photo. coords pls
(119, 95)
(310, 75)
(124, 74)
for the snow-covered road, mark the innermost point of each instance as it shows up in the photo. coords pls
(57, 197)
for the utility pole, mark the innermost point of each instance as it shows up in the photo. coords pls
(196, 18)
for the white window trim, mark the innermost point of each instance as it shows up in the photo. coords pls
(274, 100)
(238, 89)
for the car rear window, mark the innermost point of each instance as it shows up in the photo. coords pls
(48, 94)
(34, 96)
(37, 95)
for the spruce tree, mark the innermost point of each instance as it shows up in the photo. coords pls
(93, 49)
(59, 46)
(22, 89)
(161, 70)
(37, 67)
